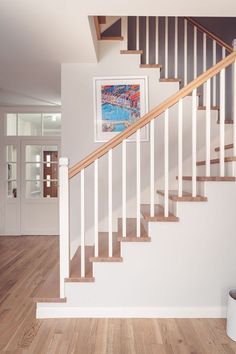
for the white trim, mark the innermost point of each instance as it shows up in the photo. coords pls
(128, 312)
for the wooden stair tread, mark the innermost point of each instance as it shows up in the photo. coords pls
(146, 66)
(211, 178)
(131, 52)
(170, 80)
(75, 266)
(111, 38)
(186, 196)
(50, 289)
(217, 160)
(226, 147)
(131, 227)
(227, 121)
(203, 108)
(103, 254)
(158, 213)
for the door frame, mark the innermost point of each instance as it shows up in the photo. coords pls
(20, 142)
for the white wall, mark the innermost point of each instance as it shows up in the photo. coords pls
(78, 136)
(78, 129)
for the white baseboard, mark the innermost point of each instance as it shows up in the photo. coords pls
(129, 312)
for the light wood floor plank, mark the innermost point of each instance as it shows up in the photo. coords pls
(25, 263)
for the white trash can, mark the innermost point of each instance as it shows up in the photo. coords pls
(231, 315)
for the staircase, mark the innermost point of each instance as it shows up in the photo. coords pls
(77, 287)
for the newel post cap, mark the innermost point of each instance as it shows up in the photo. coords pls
(234, 45)
(63, 161)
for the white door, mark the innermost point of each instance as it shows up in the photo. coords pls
(31, 198)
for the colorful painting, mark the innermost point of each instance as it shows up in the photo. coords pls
(120, 107)
(118, 104)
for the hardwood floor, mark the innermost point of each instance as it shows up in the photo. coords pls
(24, 265)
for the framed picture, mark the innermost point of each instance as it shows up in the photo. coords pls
(118, 103)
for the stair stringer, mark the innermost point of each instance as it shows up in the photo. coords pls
(185, 271)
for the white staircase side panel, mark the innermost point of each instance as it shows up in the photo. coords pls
(185, 271)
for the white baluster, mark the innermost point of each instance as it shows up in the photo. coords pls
(124, 32)
(204, 52)
(208, 127)
(194, 140)
(157, 40)
(147, 40)
(138, 183)
(223, 52)
(152, 166)
(204, 67)
(222, 122)
(180, 148)
(166, 47)
(124, 188)
(214, 77)
(194, 52)
(82, 228)
(234, 98)
(176, 47)
(234, 106)
(96, 207)
(185, 52)
(110, 241)
(64, 222)
(137, 33)
(166, 163)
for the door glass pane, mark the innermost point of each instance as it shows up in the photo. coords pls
(51, 170)
(33, 189)
(52, 124)
(33, 153)
(30, 124)
(11, 171)
(11, 189)
(50, 188)
(50, 153)
(33, 171)
(11, 124)
(11, 153)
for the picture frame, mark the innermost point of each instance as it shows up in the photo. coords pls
(118, 103)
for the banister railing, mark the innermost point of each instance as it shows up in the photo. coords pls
(97, 195)
(154, 113)
(210, 34)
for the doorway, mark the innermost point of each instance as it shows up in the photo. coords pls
(31, 185)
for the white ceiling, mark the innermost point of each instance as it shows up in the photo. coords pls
(36, 36)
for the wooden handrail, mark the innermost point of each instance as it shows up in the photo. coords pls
(154, 113)
(210, 34)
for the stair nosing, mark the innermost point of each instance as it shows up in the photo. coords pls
(79, 280)
(216, 160)
(184, 198)
(210, 178)
(49, 299)
(133, 239)
(106, 259)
